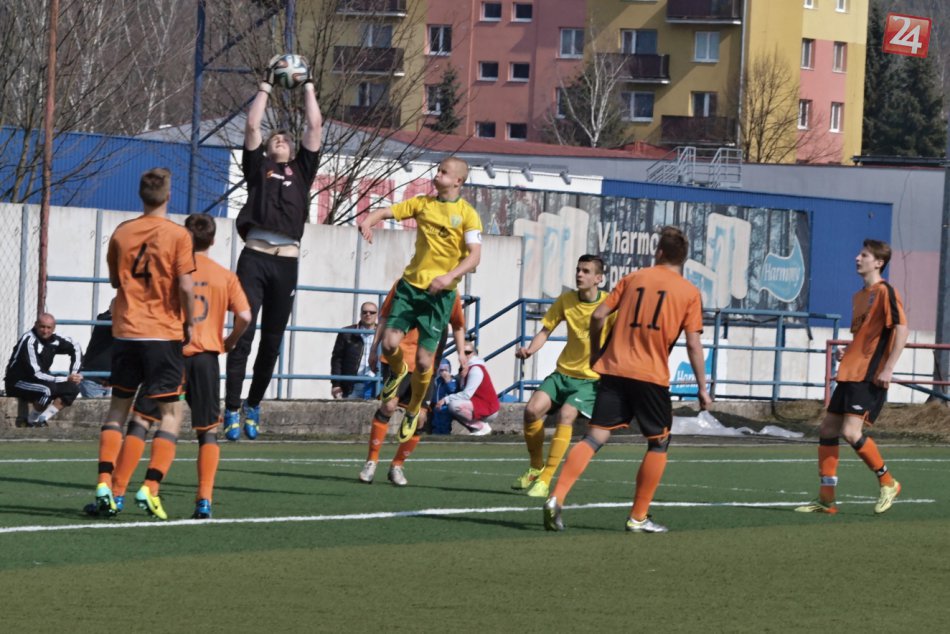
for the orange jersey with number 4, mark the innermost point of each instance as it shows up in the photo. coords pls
(217, 291)
(654, 306)
(147, 255)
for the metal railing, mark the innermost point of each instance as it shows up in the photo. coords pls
(914, 384)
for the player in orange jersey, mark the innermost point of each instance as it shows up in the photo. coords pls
(653, 306)
(403, 395)
(151, 260)
(217, 291)
(879, 326)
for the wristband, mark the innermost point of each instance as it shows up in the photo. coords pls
(265, 87)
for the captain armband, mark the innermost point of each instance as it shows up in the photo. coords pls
(473, 236)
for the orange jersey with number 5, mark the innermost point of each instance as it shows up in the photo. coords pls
(217, 291)
(654, 306)
(147, 255)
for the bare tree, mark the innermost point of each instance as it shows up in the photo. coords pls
(113, 64)
(770, 116)
(589, 110)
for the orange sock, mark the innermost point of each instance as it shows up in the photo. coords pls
(209, 454)
(376, 438)
(163, 454)
(420, 385)
(405, 450)
(828, 468)
(132, 449)
(577, 460)
(648, 479)
(110, 443)
(534, 439)
(867, 449)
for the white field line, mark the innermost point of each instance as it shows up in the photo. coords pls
(107, 525)
(635, 459)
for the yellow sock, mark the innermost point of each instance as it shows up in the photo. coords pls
(396, 362)
(559, 445)
(534, 439)
(420, 385)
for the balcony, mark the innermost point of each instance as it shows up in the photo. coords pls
(647, 69)
(704, 11)
(368, 60)
(697, 130)
(388, 8)
(382, 115)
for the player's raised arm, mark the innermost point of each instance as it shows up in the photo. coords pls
(372, 219)
(313, 130)
(255, 114)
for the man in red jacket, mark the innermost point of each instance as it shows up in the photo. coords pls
(477, 403)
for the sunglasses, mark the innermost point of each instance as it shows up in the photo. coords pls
(368, 312)
(468, 351)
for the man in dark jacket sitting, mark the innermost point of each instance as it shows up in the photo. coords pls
(351, 357)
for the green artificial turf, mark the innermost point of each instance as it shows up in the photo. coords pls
(298, 544)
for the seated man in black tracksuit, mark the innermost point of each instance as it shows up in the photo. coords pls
(351, 357)
(28, 371)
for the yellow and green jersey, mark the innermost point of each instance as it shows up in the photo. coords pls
(575, 358)
(440, 236)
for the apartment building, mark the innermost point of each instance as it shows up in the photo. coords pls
(682, 67)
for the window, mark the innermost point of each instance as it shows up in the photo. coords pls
(808, 53)
(485, 129)
(491, 11)
(440, 39)
(809, 4)
(704, 104)
(522, 12)
(519, 71)
(572, 42)
(433, 102)
(841, 6)
(488, 71)
(377, 35)
(370, 94)
(561, 107)
(517, 131)
(638, 42)
(840, 57)
(707, 46)
(804, 114)
(837, 116)
(637, 106)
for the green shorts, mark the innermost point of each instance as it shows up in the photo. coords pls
(567, 390)
(415, 308)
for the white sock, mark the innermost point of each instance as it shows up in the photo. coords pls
(49, 412)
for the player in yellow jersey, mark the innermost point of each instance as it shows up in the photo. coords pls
(653, 306)
(867, 368)
(572, 387)
(448, 245)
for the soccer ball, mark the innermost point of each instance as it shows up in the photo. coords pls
(290, 71)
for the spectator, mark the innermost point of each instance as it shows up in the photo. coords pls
(445, 384)
(477, 403)
(351, 356)
(98, 358)
(28, 371)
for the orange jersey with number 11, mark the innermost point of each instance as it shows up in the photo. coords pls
(147, 255)
(654, 306)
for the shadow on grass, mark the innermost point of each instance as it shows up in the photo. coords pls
(59, 484)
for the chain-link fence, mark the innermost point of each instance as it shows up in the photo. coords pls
(19, 267)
